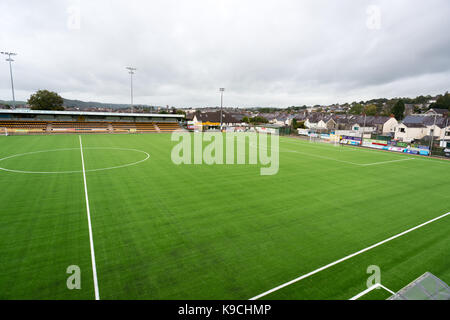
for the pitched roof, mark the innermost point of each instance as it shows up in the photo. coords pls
(214, 116)
(439, 111)
(415, 121)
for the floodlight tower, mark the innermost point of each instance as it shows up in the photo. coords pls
(9, 59)
(221, 105)
(131, 71)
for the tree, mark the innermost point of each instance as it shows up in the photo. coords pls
(417, 110)
(258, 119)
(245, 119)
(399, 109)
(294, 124)
(356, 109)
(46, 100)
(371, 110)
(442, 102)
(298, 124)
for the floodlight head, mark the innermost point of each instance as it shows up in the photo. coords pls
(222, 89)
(9, 53)
(130, 70)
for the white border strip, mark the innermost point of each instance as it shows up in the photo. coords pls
(375, 286)
(91, 240)
(346, 258)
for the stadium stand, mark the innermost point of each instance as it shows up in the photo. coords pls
(123, 126)
(24, 121)
(168, 126)
(35, 126)
(145, 127)
(100, 126)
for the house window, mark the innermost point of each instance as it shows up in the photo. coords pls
(402, 130)
(447, 133)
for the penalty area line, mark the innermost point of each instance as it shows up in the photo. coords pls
(91, 239)
(375, 286)
(346, 258)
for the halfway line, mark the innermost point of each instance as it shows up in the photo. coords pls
(346, 258)
(91, 240)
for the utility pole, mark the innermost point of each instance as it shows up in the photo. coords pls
(364, 127)
(131, 71)
(9, 59)
(221, 106)
(432, 135)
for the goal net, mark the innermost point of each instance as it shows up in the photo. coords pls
(3, 131)
(426, 287)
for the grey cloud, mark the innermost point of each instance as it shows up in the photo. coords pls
(275, 53)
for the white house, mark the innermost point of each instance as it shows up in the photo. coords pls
(418, 126)
(361, 128)
(320, 124)
(408, 132)
(389, 126)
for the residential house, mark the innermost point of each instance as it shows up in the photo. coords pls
(416, 127)
(438, 112)
(211, 120)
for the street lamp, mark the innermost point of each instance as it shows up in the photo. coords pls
(131, 71)
(9, 59)
(221, 105)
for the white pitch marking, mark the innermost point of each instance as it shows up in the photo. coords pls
(91, 240)
(346, 258)
(310, 154)
(378, 151)
(74, 171)
(381, 162)
(344, 161)
(349, 162)
(375, 286)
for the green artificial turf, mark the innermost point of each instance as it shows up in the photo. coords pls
(166, 231)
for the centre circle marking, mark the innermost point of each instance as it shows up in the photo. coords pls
(147, 156)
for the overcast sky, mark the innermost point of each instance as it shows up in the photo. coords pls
(265, 53)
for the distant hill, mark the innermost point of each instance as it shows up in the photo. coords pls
(19, 103)
(91, 104)
(83, 104)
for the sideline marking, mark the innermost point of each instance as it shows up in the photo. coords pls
(346, 258)
(389, 161)
(75, 171)
(379, 151)
(91, 240)
(338, 160)
(375, 286)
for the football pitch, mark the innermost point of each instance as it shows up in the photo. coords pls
(166, 231)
